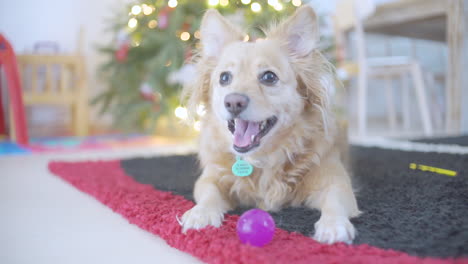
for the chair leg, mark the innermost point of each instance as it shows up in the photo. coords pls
(391, 113)
(80, 119)
(362, 77)
(422, 98)
(362, 103)
(405, 101)
(80, 114)
(436, 105)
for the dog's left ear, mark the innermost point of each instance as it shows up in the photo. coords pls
(216, 31)
(300, 33)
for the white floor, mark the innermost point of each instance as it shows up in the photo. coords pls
(45, 220)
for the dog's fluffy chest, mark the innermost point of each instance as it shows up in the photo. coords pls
(267, 188)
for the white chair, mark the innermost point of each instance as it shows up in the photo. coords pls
(350, 14)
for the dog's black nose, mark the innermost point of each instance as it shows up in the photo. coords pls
(235, 103)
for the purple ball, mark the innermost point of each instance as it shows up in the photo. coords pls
(255, 227)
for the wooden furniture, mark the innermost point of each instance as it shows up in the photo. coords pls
(438, 20)
(350, 14)
(57, 80)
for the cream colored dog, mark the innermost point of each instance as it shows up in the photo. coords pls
(267, 102)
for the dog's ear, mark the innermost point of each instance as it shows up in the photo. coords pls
(300, 33)
(216, 32)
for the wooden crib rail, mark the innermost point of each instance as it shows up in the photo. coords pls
(56, 80)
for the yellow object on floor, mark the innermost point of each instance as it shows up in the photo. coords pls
(415, 166)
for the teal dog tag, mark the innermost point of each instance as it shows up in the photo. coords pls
(241, 168)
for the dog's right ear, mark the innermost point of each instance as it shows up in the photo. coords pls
(299, 34)
(216, 32)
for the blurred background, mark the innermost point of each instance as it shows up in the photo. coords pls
(102, 73)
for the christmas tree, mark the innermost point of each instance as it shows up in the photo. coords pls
(152, 41)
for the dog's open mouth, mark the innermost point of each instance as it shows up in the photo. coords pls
(247, 134)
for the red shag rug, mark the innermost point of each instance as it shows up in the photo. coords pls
(156, 211)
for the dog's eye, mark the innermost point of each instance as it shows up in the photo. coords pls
(268, 78)
(225, 78)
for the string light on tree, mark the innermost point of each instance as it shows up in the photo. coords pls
(256, 7)
(296, 2)
(278, 7)
(152, 24)
(172, 3)
(246, 38)
(197, 34)
(147, 10)
(136, 9)
(246, 2)
(213, 2)
(273, 2)
(181, 112)
(132, 22)
(184, 36)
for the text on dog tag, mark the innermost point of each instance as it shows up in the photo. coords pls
(241, 168)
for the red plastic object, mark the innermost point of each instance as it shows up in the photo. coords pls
(2, 113)
(9, 64)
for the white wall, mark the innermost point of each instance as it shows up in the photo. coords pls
(26, 22)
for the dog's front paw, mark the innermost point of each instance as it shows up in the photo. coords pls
(331, 230)
(199, 217)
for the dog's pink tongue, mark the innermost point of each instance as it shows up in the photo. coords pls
(244, 130)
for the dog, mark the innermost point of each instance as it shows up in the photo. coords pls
(267, 104)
